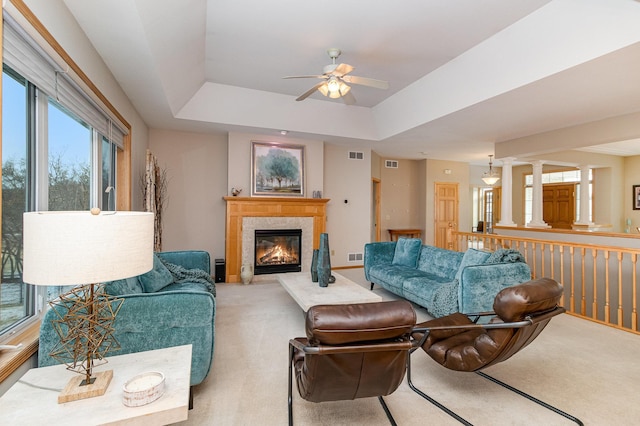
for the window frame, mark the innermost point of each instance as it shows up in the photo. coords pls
(27, 333)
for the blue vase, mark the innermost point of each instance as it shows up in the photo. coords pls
(314, 266)
(324, 261)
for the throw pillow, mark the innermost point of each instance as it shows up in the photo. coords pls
(124, 286)
(505, 256)
(157, 278)
(472, 257)
(407, 251)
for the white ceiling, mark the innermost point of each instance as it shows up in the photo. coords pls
(463, 74)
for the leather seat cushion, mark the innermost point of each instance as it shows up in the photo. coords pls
(359, 322)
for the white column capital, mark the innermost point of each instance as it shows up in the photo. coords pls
(507, 160)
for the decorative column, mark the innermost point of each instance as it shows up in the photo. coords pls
(506, 216)
(584, 196)
(536, 207)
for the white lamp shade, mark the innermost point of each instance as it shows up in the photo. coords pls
(77, 247)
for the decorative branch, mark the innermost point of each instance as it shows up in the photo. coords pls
(154, 185)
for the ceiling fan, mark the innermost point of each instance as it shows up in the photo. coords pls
(335, 78)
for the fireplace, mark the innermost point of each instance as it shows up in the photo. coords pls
(277, 250)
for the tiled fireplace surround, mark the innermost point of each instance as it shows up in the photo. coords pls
(246, 214)
(250, 224)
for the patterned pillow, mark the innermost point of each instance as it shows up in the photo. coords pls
(407, 251)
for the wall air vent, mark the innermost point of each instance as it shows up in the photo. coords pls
(355, 155)
(355, 257)
(391, 164)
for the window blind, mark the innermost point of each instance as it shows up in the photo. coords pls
(25, 56)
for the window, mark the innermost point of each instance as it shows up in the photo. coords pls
(566, 176)
(59, 152)
(15, 296)
(69, 152)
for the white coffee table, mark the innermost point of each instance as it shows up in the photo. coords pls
(307, 293)
(33, 400)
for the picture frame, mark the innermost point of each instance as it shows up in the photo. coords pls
(636, 197)
(277, 170)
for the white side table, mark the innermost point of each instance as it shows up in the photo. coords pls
(34, 398)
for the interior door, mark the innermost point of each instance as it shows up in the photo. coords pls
(446, 214)
(558, 205)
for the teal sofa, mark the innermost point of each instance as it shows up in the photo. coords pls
(443, 281)
(171, 305)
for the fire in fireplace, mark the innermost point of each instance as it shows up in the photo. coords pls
(278, 250)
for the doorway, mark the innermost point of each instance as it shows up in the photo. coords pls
(375, 209)
(491, 208)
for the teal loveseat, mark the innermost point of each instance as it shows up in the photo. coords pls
(171, 305)
(443, 281)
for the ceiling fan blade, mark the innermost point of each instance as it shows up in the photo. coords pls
(348, 98)
(308, 93)
(364, 81)
(305, 76)
(342, 69)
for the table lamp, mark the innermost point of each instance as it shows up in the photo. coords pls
(85, 249)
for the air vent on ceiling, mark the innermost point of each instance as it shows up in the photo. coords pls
(355, 155)
(391, 164)
(355, 257)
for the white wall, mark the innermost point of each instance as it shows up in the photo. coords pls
(348, 184)
(202, 168)
(400, 204)
(196, 167)
(239, 173)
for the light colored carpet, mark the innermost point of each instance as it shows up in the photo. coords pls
(588, 370)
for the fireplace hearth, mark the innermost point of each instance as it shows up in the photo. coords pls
(277, 250)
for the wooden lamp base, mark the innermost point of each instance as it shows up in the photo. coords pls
(74, 390)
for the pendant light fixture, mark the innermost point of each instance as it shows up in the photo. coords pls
(490, 177)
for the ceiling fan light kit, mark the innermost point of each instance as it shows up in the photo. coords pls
(335, 81)
(334, 88)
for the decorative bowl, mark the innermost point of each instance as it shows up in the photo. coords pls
(143, 389)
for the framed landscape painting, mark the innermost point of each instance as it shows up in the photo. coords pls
(277, 170)
(636, 197)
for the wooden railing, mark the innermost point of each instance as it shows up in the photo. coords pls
(600, 282)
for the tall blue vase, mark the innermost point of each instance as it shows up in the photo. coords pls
(314, 266)
(324, 261)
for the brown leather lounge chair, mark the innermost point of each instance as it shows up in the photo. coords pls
(458, 343)
(352, 351)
